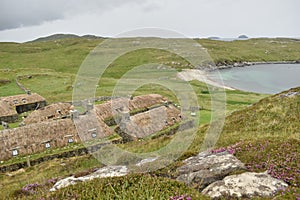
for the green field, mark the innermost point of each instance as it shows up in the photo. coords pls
(253, 120)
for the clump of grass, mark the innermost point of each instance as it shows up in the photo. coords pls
(133, 186)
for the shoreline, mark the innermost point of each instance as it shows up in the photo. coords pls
(201, 73)
(244, 64)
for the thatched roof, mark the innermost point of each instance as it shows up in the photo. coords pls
(36, 133)
(105, 110)
(22, 99)
(53, 111)
(108, 109)
(89, 122)
(152, 121)
(40, 128)
(145, 101)
(6, 110)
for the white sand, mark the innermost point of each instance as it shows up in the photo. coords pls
(200, 75)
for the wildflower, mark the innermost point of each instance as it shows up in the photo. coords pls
(29, 188)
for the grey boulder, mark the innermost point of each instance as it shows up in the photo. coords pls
(206, 168)
(247, 185)
(109, 171)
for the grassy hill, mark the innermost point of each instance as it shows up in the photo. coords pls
(65, 36)
(253, 50)
(54, 61)
(265, 136)
(278, 115)
(64, 53)
(262, 130)
(61, 55)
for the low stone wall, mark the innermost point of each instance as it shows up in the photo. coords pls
(9, 119)
(67, 154)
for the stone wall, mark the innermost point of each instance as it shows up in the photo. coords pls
(30, 106)
(76, 152)
(9, 119)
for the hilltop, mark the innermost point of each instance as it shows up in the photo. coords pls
(65, 52)
(65, 36)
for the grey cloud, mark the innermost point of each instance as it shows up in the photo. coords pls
(18, 13)
(21, 13)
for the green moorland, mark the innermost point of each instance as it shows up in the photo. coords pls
(261, 130)
(54, 63)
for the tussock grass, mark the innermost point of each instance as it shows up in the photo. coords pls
(129, 187)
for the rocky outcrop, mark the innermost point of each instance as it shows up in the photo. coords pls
(246, 185)
(290, 94)
(109, 171)
(206, 168)
(208, 171)
(212, 170)
(228, 64)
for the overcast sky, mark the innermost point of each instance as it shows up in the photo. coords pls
(23, 20)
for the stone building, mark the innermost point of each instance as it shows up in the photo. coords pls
(53, 126)
(24, 102)
(51, 112)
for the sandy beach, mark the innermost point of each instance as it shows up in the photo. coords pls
(200, 75)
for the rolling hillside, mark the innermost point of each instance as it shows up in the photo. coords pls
(278, 115)
(262, 131)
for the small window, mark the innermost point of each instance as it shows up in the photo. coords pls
(15, 152)
(70, 140)
(94, 134)
(24, 100)
(47, 145)
(15, 101)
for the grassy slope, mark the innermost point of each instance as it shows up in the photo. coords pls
(62, 58)
(265, 136)
(253, 50)
(273, 116)
(54, 64)
(262, 148)
(60, 61)
(66, 55)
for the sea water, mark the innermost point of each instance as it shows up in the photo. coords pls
(262, 78)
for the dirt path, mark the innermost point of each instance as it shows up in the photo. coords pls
(195, 74)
